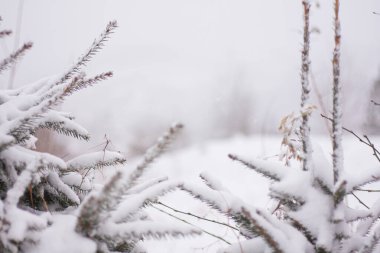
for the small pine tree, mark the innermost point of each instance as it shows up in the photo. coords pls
(49, 205)
(314, 217)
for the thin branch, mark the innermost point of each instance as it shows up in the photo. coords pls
(196, 216)
(13, 58)
(366, 190)
(360, 201)
(373, 148)
(185, 221)
(354, 134)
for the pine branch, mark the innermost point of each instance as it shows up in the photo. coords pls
(59, 128)
(153, 153)
(94, 209)
(95, 47)
(263, 232)
(13, 58)
(133, 203)
(220, 202)
(271, 174)
(79, 83)
(340, 193)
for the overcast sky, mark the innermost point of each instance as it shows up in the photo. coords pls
(220, 66)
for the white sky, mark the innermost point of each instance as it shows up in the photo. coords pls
(204, 62)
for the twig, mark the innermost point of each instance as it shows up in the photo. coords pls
(185, 221)
(360, 201)
(196, 216)
(354, 134)
(373, 148)
(366, 190)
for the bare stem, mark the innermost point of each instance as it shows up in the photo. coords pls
(337, 100)
(305, 128)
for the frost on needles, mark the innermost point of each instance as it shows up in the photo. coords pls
(48, 204)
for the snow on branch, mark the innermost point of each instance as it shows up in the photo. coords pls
(135, 202)
(63, 124)
(153, 153)
(97, 207)
(263, 232)
(138, 230)
(271, 170)
(95, 160)
(305, 88)
(337, 127)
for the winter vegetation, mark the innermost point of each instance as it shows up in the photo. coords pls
(49, 203)
(44, 197)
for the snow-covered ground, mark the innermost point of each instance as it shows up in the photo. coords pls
(188, 163)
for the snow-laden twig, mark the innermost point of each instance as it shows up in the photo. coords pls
(153, 153)
(337, 127)
(305, 97)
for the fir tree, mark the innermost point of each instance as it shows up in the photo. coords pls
(48, 204)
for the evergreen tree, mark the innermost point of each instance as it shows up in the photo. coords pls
(48, 204)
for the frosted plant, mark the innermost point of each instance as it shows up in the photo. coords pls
(44, 205)
(316, 219)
